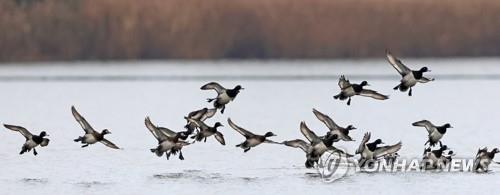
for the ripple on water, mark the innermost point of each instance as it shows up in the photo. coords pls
(89, 184)
(35, 180)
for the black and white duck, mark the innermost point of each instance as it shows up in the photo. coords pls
(371, 151)
(484, 159)
(409, 77)
(32, 141)
(435, 132)
(251, 139)
(207, 131)
(224, 95)
(342, 132)
(201, 115)
(169, 142)
(348, 90)
(315, 147)
(91, 136)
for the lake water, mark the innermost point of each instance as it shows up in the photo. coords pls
(277, 97)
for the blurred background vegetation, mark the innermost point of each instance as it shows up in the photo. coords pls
(52, 30)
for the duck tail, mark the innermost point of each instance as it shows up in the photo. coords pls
(337, 96)
(403, 88)
(157, 152)
(78, 139)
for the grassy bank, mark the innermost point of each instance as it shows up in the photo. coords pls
(214, 29)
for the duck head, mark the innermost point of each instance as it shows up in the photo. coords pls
(43, 134)
(378, 141)
(495, 150)
(238, 87)
(217, 124)
(364, 83)
(447, 125)
(269, 134)
(424, 69)
(350, 127)
(105, 131)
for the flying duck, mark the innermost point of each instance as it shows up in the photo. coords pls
(315, 147)
(410, 77)
(168, 141)
(201, 115)
(484, 159)
(447, 158)
(252, 140)
(342, 132)
(224, 95)
(391, 158)
(91, 136)
(371, 151)
(207, 131)
(435, 132)
(348, 90)
(436, 158)
(32, 141)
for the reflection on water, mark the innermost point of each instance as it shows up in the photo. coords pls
(90, 184)
(35, 180)
(192, 175)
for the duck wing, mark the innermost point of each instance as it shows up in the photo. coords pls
(481, 151)
(240, 130)
(159, 135)
(45, 142)
(333, 149)
(397, 64)
(202, 114)
(373, 94)
(344, 83)
(271, 142)
(362, 145)
(198, 123)
(310, 135)
(220, 138)
(425, 80)
(215, 86)
(425, 123)
(326, 119)
(298, 143)
(108, 143)
(385, 150)
(208, 114)
(19, 129)
(79, 118)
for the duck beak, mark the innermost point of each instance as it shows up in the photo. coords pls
(382, 143)
(429, 70)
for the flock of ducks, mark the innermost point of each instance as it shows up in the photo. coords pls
(197, 130)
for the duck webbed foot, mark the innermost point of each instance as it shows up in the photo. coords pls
(409, 92)
(34, 152)
(181, 157)
(349, 102)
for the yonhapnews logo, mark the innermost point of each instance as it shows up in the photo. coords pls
(336, 165)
